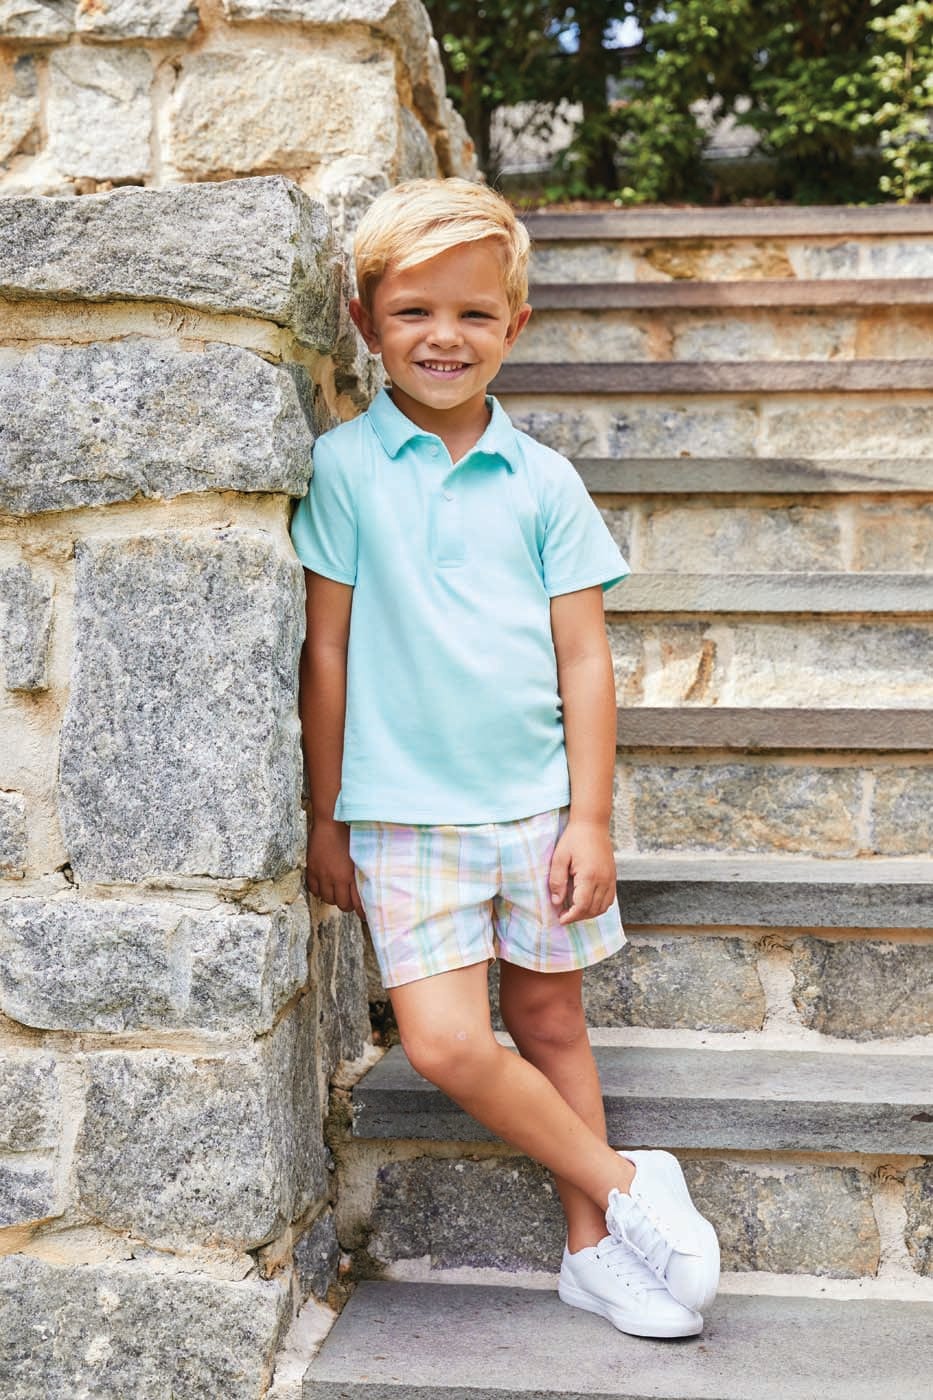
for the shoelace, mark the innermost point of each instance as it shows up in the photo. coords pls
(639, 1233)
(627, 1266)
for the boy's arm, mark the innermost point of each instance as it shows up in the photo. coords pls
(322, 699)
(587, 689)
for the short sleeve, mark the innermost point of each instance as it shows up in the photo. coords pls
(324, 529)
(578, 550)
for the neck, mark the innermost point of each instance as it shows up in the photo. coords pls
(458, 428)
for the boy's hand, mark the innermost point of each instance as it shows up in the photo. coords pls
(330, 873)
(583, 863)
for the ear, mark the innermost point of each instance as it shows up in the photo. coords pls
(517, 324)
(364, 323)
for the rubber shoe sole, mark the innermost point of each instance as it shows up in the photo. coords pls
(620, 1318)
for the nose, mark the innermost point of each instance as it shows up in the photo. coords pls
(445, 331)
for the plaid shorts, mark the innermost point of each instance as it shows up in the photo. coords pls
(442, 897)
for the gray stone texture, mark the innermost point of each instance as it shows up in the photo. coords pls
(416, 158)
(789, 1219)
(111, 965)
(114, 420)
(25, 624)
(37, 19)
(13, 842)
(99, 112)
(343, 1013)
(180, 745)
(137, 19)
(701, 982)
(30, 1101)
(845, 426)
(29, 1192)
(727, 539)
(504, 1213)
(225, 1150)
(494, 1214)
(745, 807)
(317, 1257)
(863, 989)
(889, 538)
(466, 1341)
(259, 247)
(664, 429)
(113, 1331)
(19, 103)
(902, 812)
(300, 110)
(918, 1200)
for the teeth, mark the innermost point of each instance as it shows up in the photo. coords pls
(442, 364)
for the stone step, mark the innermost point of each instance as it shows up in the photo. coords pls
(429, 1341)
(796, 292)
(747, 728)
(714, 377)
(802, 593)
(696, 322)
(748, 1100)
(706, 476)
(774, 891)
(813, 221)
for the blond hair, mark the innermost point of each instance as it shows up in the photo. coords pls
(418, 219)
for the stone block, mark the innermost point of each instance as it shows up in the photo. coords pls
(619, 523)
(222, 1149)
(137, 19)
(902, 812)
(788, 1219)
(99, 112)
(25, 624)
(892, 539)
(791, 335)
(19, 103)
(343, 1009)
(899, 257)
(180, 744)
(301, 109)
(110, 965)
(918, 1201)
(132, 1328)
(317, 1257)
(571, 433)
(700, 982)
(853, 425)
(37, 19)
(628, 661)
(30, 1101)
(13, 843)
(745, 807)
(498, 1213)
(258, 247)
(28, 1192)
(661, 428)
(581, 335)
(114, 420)
(861, 989)
(455, 147)
(729, 539)
(415, 158)
(597, 261)
(820, 663)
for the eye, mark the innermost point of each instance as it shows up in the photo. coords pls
(412, 311)
(479, 315)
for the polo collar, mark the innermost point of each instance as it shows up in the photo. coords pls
(394, 430)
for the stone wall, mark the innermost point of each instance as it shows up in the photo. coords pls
(171, 1009)
(343, 96)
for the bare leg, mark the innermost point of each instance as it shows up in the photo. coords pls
(543, 1012)
(447, 1034)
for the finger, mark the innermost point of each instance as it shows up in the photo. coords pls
(314, 884)
(328, 893)
(582, 899)
(357, 900)
(557, 876)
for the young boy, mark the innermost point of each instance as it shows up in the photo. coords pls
(458, 714)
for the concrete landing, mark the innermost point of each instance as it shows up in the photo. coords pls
(468, 1342)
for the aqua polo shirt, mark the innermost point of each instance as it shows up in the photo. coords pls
(453, 714)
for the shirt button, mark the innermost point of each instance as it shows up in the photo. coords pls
(435, 451)
(448, 496)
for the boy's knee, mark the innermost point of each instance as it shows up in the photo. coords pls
(451, 1057)
(551, 1022)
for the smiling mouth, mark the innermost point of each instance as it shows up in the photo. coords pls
(443, 366)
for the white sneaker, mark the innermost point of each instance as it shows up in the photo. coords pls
(610, 1280)
(659, 1222)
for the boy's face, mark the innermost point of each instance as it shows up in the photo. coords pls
(443, 328)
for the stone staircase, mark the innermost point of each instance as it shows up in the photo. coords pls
(749, 396)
